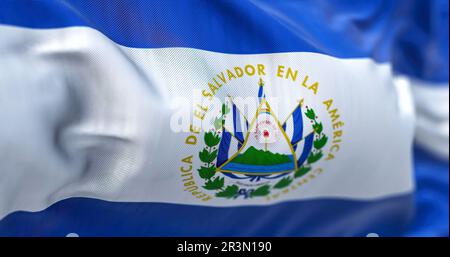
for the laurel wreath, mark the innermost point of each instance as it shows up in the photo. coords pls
(208, 155)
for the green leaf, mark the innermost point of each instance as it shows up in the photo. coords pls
(206, 156)
(321, 142)
(284, 182)
(301, 171)
(214, 184)
(261, 191)
(207, 173)
(229, 192)
(211, 139)
(318, 128)
(313, 157)
(225, 109)
(310, 114)
(218, 123)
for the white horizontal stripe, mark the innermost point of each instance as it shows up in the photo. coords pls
(83, 116)
(432, 120)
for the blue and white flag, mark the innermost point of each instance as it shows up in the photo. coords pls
(224, 118)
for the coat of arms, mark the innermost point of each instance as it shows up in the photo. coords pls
(261, 154)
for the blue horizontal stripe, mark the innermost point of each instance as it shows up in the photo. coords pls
(325, 217)
(221, 26)
(413, 35)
